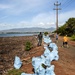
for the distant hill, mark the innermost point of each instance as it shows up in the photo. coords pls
(34, 29)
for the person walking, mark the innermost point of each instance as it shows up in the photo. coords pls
(56, 37)
(65, 41)
(40, 39)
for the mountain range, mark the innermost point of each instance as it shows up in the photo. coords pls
(33, 29)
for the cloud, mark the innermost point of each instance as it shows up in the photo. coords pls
(24, 6)
(47, 20)
(44, 20)
(23, 24)
(41, 23)
(4, 6)
(4, 26)
(63, 17)
(43, 17)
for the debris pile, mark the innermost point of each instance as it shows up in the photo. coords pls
(42, 64)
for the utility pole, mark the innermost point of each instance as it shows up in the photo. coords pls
(57, 4)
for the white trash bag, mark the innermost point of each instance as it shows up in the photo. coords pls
(27, 74)
(36, 62)
(50, 70)
(17, 62)
(41, 70)
(47, 51)
(53, 45)
(47, 61)
(47, 40)
(55, 53)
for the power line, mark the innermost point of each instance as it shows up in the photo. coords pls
(67, 4)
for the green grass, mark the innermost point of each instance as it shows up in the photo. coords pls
(14, 72)
(73, 38)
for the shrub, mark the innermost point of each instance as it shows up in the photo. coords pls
(45, 33)
(28, 46)
(73, 37)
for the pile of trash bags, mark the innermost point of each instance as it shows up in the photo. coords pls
(47, 39)
(42, 64)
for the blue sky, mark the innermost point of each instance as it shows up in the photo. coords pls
(34, 13)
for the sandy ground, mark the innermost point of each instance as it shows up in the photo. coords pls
(10, 47)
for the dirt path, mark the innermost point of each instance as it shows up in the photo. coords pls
(66, 63)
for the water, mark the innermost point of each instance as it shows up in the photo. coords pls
(12, 35)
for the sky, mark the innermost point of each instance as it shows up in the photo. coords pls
(34, 13)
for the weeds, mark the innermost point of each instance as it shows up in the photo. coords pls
(28, 46)
(14, 72)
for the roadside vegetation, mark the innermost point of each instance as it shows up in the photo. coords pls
(73, 38)
(68, 29)
(14, 72)
(45, 33)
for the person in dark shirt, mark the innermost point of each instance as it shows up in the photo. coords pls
(40, 39)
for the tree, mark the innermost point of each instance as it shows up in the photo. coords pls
(68, 28)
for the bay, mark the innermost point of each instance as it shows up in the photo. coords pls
(13, 35)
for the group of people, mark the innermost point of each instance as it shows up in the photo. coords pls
(65, 40)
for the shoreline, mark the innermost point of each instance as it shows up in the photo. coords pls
(16, 35)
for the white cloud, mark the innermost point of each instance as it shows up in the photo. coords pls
(4, 6)
(43, 17)
(4, 26)
(23, 24)
(63, 17)
(20, 6)
(41, 23)
(45, 20)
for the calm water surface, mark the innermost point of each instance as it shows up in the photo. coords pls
(12, 35)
